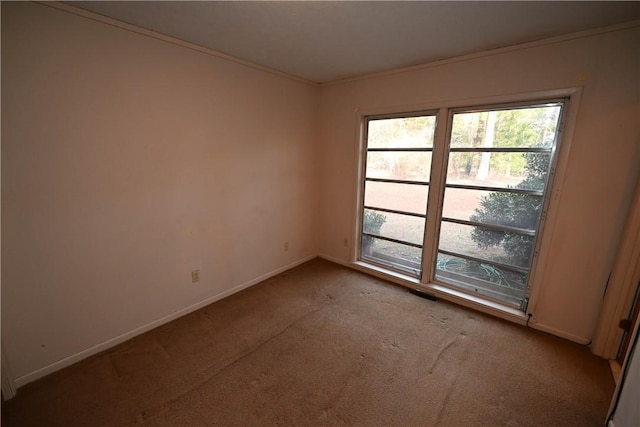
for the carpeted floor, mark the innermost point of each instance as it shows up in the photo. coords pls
(323, 345)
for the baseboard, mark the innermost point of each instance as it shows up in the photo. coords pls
(70, 360)
(335, 260)
(559, 333)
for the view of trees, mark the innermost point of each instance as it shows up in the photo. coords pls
(527, 127)
(517, 210)
(532, 127)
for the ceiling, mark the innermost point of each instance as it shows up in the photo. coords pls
(327, 41)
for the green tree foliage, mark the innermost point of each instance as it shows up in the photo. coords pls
(525, 127)
(516, 210)
(529, 128)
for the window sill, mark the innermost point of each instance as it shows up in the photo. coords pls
(470, 301)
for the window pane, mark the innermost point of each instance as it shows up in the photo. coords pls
(484, 279)
(399, 197)
(408, 166)
(395, 226)
(493, 207)
(498, 246)
(406, 132)
(526, 171)
(395, 255)
(516, 127)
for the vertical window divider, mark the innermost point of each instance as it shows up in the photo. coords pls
(356, 235)
(436, 194)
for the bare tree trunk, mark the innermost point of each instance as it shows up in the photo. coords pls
(489, 135)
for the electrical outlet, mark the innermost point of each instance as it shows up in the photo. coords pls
(286, 246)
(195, 276)
(345, 242)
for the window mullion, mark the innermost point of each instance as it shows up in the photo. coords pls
(436, 194)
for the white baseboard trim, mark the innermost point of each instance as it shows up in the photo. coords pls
(70, 360)
(335, 260)
(559, 333)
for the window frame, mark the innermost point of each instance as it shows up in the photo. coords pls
(365, 150)
(564, 102)
(539, 270)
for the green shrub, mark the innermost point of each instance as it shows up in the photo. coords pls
(515, 210)
(372, 222)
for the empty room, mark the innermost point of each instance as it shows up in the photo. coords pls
(320, 213)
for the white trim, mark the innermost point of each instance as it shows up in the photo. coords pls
(67, 361)
(168, 39)
(478, 101)
(540, 272)
(435, 199)
(460, 298)
(492, 52)
(492, 308)
(622, 285)
(357, 208)
(559, 333)
(335, 260)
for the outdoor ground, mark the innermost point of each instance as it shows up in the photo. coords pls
(458, 204)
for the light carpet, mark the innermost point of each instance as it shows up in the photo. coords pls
(323, 345)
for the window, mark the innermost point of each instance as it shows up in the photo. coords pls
(495, 167)
(396, 183)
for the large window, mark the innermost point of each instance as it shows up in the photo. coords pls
(494, 169)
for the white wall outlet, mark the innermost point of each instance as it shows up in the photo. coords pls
(286, 246)
(195, 276)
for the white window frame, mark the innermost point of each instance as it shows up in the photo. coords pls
(362, 181)
(539, 271)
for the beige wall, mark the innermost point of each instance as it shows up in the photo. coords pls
(601, 172)
(127, 163)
